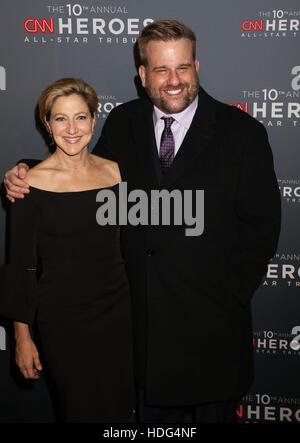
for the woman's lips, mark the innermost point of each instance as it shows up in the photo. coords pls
(72, 140)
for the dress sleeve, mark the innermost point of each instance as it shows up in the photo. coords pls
(18, 278)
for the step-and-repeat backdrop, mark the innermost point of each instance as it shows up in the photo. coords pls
(249, 57)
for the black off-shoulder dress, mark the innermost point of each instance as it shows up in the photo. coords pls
(81, 301)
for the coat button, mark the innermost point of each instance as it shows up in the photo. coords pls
(150, 252)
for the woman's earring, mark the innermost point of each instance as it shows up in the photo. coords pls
(51, 138)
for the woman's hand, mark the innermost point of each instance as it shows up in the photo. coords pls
(27, 356)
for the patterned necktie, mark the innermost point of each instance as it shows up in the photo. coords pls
(167, 145)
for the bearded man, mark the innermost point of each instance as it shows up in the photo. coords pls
(191, 295)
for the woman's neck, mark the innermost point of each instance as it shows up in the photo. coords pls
(76, 162)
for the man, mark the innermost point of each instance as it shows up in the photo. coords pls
(191, 294)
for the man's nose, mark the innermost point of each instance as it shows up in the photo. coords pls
(173, 78)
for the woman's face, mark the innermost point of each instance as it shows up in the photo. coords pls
(71, 124)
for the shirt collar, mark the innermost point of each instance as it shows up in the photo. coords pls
(184, 117)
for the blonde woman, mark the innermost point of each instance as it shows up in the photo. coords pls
(81, 300)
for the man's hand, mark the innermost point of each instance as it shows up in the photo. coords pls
(14, 182)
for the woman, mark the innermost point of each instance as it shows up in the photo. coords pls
(81, 300)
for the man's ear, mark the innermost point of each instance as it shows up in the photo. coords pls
(142, 74)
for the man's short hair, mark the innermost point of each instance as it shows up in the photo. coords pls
(164, 30)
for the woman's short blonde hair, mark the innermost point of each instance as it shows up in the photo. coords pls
(63, 88)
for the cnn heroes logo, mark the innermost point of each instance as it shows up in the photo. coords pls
(276, 342)
(274, 107)
(272, 24)
(290, 190)
(107, 102)
(267, 408)
(283, 270)
(70, 24)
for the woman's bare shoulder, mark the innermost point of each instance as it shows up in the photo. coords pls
(107, 166)
(40, 174)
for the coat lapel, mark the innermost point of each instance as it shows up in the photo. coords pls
(196, 140)
(147, 157)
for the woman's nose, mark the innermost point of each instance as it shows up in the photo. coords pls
(72, 127)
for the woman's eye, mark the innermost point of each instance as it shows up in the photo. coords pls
(82, 117)
(59, 119)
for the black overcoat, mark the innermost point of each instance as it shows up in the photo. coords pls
(191, 294)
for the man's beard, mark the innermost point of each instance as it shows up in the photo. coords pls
(162, 103)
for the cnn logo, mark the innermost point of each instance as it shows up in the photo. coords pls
(248, 25)
(34, 25)
(2, 79)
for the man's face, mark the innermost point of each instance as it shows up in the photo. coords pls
(171, 76)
